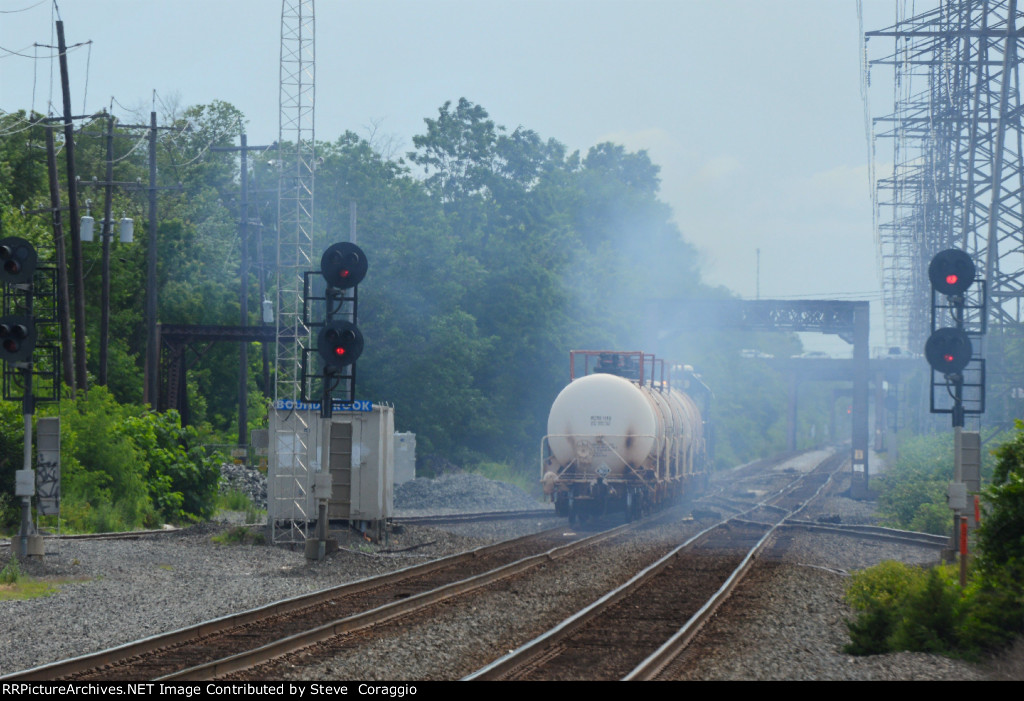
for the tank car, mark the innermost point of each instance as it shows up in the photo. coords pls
(622, 436)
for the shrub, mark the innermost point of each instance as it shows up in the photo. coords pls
(11, 572)
(928, 615)
(878, 594)
(182, 478)
(905, 608)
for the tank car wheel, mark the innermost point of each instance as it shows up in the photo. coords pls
(562, 505)
(632, 506)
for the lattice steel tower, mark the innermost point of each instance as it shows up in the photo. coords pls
(296, 165)
(295, 189)
(956, 145)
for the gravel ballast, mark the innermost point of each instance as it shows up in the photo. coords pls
(115, 591)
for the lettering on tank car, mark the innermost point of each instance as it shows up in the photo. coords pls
(600, 421)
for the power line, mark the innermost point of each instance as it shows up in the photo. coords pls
(24, 9)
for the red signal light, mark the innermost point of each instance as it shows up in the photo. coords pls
(343, 265)
(339, 344)
(948, 350)
(951, 272)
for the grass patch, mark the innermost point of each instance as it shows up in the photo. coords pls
(26, 589)
(239, 535)
(11, 573)
(508, 473)
(14, 585)
(235, 500)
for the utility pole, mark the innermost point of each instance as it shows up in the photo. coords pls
(243, 235)
(243, 348)
(108, 231)
(152, 390)
(64, 307)
(76, 236)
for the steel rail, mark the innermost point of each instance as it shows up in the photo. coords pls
(100, 658)
(387, 612)
(928, 540)
(506, 664)
(466, 517)
(472, 517)
(660, 658)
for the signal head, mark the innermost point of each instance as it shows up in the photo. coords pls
(17, 338)
(948, 350)
(951, 272)
(17, 260)
(343, 265)
(339, 344)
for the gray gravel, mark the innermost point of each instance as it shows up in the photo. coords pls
(115, 591)
(461, 493)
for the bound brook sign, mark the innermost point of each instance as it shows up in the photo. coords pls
(292, 405)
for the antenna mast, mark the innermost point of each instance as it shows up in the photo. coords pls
(292, 445)
(296, 163)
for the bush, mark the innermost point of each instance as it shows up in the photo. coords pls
(929, 617)
(913, 491)
(100, 468)
(996, 613)
(124, 467)
(182, 479)
(878, 593)
(1001, 535)
(11, 572)
(905, 608)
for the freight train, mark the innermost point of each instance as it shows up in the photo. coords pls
(626, 434)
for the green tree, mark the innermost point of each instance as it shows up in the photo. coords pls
(1002, 528)
(913, 491)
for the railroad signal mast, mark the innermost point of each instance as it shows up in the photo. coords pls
(339, 341)
(950, 352)
(22, 322)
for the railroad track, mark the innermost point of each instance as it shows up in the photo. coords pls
(474, 517)
(637, 629)
(436, 519)
(759, 512)
(212, 648)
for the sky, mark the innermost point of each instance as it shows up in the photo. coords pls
(752, 109)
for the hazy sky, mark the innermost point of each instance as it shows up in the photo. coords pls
(752, 108)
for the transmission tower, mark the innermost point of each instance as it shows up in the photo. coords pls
(956, 145)
(296, 164)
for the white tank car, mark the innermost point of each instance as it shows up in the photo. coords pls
(617, 443)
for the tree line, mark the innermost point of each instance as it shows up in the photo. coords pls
(493, 253)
